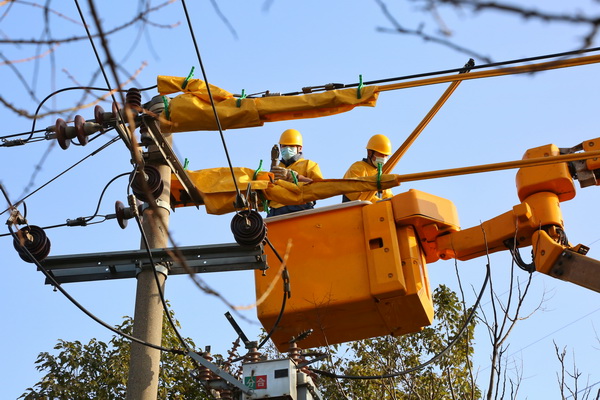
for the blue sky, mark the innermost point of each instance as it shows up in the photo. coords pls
(282, 50)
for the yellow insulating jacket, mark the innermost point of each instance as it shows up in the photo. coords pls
(219, 193)
(308, 168)
(192, 110)
(361, 169)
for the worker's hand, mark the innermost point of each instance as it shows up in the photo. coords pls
(282, 173)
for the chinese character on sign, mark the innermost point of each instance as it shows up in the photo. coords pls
(256, 382)
(261, 382)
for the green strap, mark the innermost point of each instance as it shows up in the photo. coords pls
(186, 162)
(379, 167)
(185, 81)
(264, 201)
(360, 86)
(257, 171)
(294, 176)
(166, 104)
(238, 103)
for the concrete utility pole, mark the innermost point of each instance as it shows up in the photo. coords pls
(144, 366)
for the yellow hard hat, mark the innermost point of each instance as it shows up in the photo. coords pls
(290, 137)
(381, 144)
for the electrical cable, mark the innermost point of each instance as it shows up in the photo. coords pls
(65, 171)
(21, 134)
(87, 30)
(102, 194)
(450, 71)
(58, 286)
(426, 363)
(286, 294)
(212, 102)
(158, 285)
(64, 90)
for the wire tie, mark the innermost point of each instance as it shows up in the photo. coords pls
(257, 171)
(360, 86)
(379, 168)
(238, 103)
(294, 176)
(166, 104)
(186, 162)
(186, 80)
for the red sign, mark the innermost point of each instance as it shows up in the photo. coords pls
(261, 381)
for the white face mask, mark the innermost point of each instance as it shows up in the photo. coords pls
(288, 152)
(380, 160)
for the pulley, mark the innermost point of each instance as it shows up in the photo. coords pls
(248, 228)
(34, 239)
(150, 180)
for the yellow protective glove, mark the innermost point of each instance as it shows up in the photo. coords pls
(282, 173)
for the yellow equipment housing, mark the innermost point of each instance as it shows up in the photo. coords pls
(357, 270)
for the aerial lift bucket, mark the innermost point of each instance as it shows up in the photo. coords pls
(357, 270)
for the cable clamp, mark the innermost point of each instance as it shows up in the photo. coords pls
(162, 267)
(159, 203)
(238, 103)
(15, 218)
(359, 88)
(186, 80)
(379, 171)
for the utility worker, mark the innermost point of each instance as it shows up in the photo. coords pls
(293, 168)
(379, 148)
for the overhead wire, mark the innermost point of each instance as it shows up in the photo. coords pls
(286, 295)
(212, 102)
(450, 71)
(157, 280)
(64, 172)
(59, 287)
(65, 90)
(100, 64)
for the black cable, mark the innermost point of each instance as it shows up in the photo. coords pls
(65, 171)
(455, 70)
(21, 134)
(426, 363)
(286, 294)
(85, 25)
(158, 286)
(212, 102)
(85, 220)
(58, 286)
(64, 90)
(102, 194)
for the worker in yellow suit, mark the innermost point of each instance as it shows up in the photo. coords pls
(293, 168)
(379, 148)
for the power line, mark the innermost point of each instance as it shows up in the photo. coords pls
(64, 172)
(549, 334)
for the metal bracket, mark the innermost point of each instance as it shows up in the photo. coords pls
(184, 260)
(159, 203)
(162, 268)
(171, 159)
(122, 129)
(220, 373)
